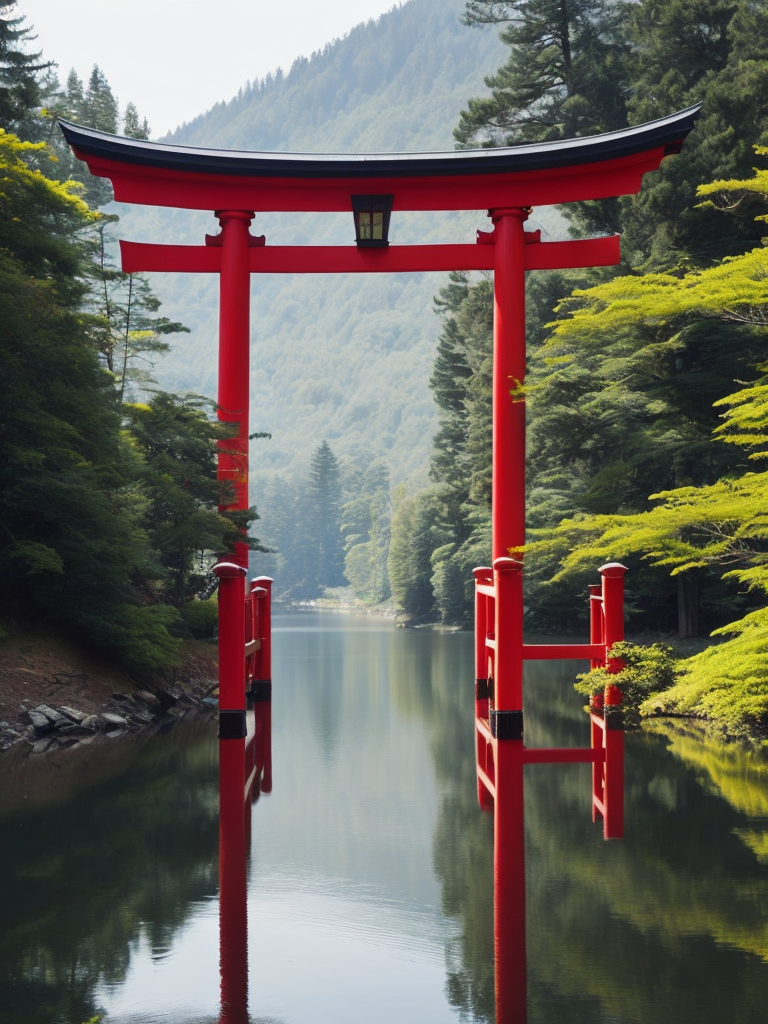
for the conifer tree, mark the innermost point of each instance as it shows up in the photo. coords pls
(20, 92)
(565, 74)
(366, 525)
(134, 126)
(324, 494)
(684, 52)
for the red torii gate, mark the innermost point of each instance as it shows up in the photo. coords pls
(507, 182)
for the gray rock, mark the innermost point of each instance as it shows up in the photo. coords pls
(53, 716)
(73, 714)
(72, 729)
(40, 722)
(91, 722)
(113, 721)
(141, 714)
(40, 746)
(148, 698)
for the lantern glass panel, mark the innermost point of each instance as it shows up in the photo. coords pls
(365, 225)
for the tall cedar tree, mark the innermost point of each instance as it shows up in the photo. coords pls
(20, 91)
(684, 52)
(565, 75)
(324, 493)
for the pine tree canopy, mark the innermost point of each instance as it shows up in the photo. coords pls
(565, 75)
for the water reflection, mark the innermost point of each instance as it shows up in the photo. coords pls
(119, 862)
(369, 885)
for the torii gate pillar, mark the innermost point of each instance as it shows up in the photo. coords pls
(234, 358)
(508, 378)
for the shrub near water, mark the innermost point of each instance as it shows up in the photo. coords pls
(201, 618)
(648, 669)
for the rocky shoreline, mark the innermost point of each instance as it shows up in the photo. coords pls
(44, 728)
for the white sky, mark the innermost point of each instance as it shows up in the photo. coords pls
(175, 58)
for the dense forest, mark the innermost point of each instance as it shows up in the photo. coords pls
(646, 384)
(109, 502)
(646, 388)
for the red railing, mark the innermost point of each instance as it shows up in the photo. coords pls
(498, 709)
(245, 646)
(258, 633)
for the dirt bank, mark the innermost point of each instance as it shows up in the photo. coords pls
(49, 670)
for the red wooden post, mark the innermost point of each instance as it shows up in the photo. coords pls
(483, 577)
(613, 620)
(264, 661)
(508, 518)
(233, 402)
(595, 618)
(265, 722)
(508, 819)
(613, 736)
(508, 484)
(233, 884)
(508, 683)
(231, 651)
(234, 356)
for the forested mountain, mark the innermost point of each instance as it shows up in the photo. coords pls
(340, 358)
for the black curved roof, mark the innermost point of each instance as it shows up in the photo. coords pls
(664, 132)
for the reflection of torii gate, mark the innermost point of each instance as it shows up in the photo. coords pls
(507, 182)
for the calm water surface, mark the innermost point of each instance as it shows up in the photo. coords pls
(370, 894)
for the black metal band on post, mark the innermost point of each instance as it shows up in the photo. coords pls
(482, 690)
(507, 725)
(261, 690)
(232, 725)
(613, 717)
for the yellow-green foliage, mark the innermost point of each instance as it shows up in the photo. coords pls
(724, 524)
(727, 682)
(647, 669)
(756, 841)
(20, 183)
(691, 528)
(730, 190)
(736, 289)
(736, 772)
(745, 421)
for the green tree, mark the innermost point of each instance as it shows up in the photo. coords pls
(687, 51)
(565, 75)
(366, 523)
(134, 126)
(324, 494)
(71, 533)
(720, 525)
(414, 537)
(178, 445)
(20, 92)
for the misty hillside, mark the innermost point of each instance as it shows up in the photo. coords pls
(340, 357)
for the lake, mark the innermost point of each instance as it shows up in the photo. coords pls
(370, 891)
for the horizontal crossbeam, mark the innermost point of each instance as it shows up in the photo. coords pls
(553, 652)
(145, 257)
